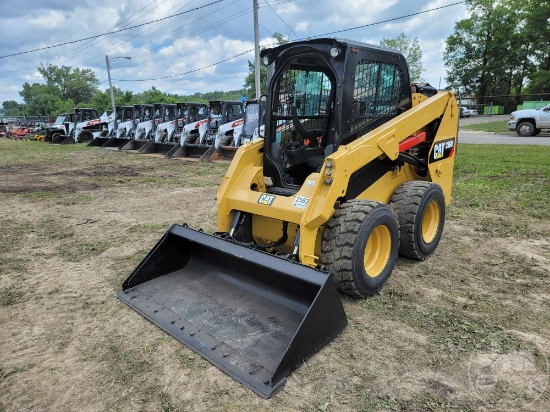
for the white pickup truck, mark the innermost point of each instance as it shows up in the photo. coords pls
(530, 122)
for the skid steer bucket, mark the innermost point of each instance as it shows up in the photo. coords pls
(98, 141)
(176, 148)
(154, 147)
(68, 140)
(59, 138)
(133, 144)
(254, 315)
(115, 143)
(190, 150)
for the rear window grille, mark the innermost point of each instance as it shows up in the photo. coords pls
(376, 94)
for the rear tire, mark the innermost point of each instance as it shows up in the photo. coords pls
(420, 208)
(360, 246)
(85, 136)
(525, 129)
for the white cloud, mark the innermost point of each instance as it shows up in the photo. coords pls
(302, 26)
(198, 39)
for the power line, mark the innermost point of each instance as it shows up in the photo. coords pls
(280, 18)
(186, 36)
(133, 37)
(201, 30)
(384, 21)
(310, 37)
(190, 71)
(112, 32)
(89, 44)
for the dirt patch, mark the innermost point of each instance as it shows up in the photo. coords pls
(102, 170)
(428, 341)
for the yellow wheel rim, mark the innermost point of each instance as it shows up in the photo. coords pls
(377, 251)
(431, 221)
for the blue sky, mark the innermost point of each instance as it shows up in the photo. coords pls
(198, 38)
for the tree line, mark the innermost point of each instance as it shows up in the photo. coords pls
(65, 88)
(498, 53)
(501, 49)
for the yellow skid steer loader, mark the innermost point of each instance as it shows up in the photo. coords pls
(355, 168)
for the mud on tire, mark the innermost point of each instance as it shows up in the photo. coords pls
(420, 208)
(360, 245)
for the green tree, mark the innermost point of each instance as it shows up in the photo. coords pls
(412, 52)
(12, 108)
(539, 82)
(250, 80)
(155, 96)
(44, 99)
(64, 88)
(102, 100)
(496, 50)
(78, 85)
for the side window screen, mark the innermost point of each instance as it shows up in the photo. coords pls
(376, 94)
(307, 90)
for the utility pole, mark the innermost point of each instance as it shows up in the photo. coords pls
(256, 50)
(110, 83)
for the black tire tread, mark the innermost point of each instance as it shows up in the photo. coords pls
(518, 127)
(406, 201)
(338, 242)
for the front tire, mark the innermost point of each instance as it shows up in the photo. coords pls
(525, 129)
(420, 208)
(85, 136)
(360, 246)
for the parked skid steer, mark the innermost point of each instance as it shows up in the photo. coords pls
(87, 125)
(125, 125)
(150, 116)
(107, 129)
(353, 169)
(60, 126)
(230, 138)
(222, 117)
(190, 116)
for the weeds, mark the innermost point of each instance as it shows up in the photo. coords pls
(80, 251)
(10, 296)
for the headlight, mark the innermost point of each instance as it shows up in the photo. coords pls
(511, 117)
(334, 52)
(265, 60)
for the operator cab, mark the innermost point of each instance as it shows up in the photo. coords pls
(302, 116)
(323, 95)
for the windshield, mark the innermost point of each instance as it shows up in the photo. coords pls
(233, 112)
(60, 120)
(169, 113)
(252, 118)
(127, 114)
(306, 93)
(215, 110)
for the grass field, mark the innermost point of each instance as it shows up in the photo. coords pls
(466, 330)
(495, 127)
